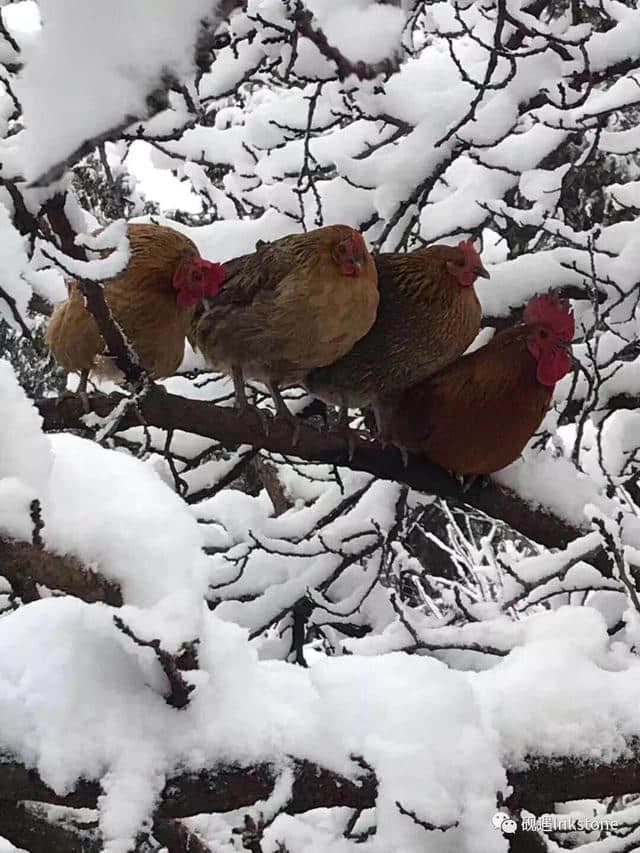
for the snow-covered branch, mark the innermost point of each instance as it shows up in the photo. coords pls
(171, 412)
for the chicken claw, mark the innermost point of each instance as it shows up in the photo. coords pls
(478, 481)
(349, 435)
(282, 411)
(80, 393)
(238, 389)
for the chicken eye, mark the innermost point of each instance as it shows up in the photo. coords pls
(544, 334)
(197, 275)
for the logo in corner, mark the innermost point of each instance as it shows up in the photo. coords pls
(503, 822)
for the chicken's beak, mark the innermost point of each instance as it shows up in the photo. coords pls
(481, 272)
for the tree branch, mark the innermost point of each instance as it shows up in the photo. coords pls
(170, 411)
(221, 789)
(179, 688)
(562, 779)
(30, 827)
(230, 787)
(303, 19)
(24, 564)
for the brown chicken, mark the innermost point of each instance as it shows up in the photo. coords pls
(153, 300)
(428, 315)
(476, 415)
(294, 304)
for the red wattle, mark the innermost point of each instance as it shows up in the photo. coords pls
(552, 366)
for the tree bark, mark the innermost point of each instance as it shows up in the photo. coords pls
(170, 411)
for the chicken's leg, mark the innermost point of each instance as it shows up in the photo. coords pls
(343, 426)
(472, 481)
(81, 390)
(281, 407)
(238, 388)
(242, 404)
(82, 383)
(282, 411)
(383, 422)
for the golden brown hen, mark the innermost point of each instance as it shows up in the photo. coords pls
(153, 300)
(294, 304)
(428, 315)
(476, 415)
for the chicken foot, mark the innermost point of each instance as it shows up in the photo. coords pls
(383, 422)
(282, 411)
(238, 388)
(343, 427)
(81, 392)
(242, 404)
(468, 481)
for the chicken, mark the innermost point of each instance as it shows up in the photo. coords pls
(428, 315)
(294, 304)
(476, 415)
(153, 300)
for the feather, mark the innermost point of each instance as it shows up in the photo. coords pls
(287, 308)
(142, 300)
(476, 415)
(425, 320)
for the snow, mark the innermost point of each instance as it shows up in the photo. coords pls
(25, 453)
(511, 658)
(13, 259)
(157, 548)
(441, 750)
(553, 483)
(159, 185)
(62, 82)
(557, 669)
(115, 236)
(344, 26)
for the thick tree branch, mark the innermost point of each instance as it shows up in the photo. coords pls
(546, 781)
(222, 789)
(30, 827)
(177, 838)
(227, 788)
(24, 564)
(54, 210)
(169, 411)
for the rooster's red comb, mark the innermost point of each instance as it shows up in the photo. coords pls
(552, 311)
(469, 251)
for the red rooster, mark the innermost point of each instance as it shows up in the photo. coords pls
(476, 415)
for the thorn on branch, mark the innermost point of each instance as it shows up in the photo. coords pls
(179, 690)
